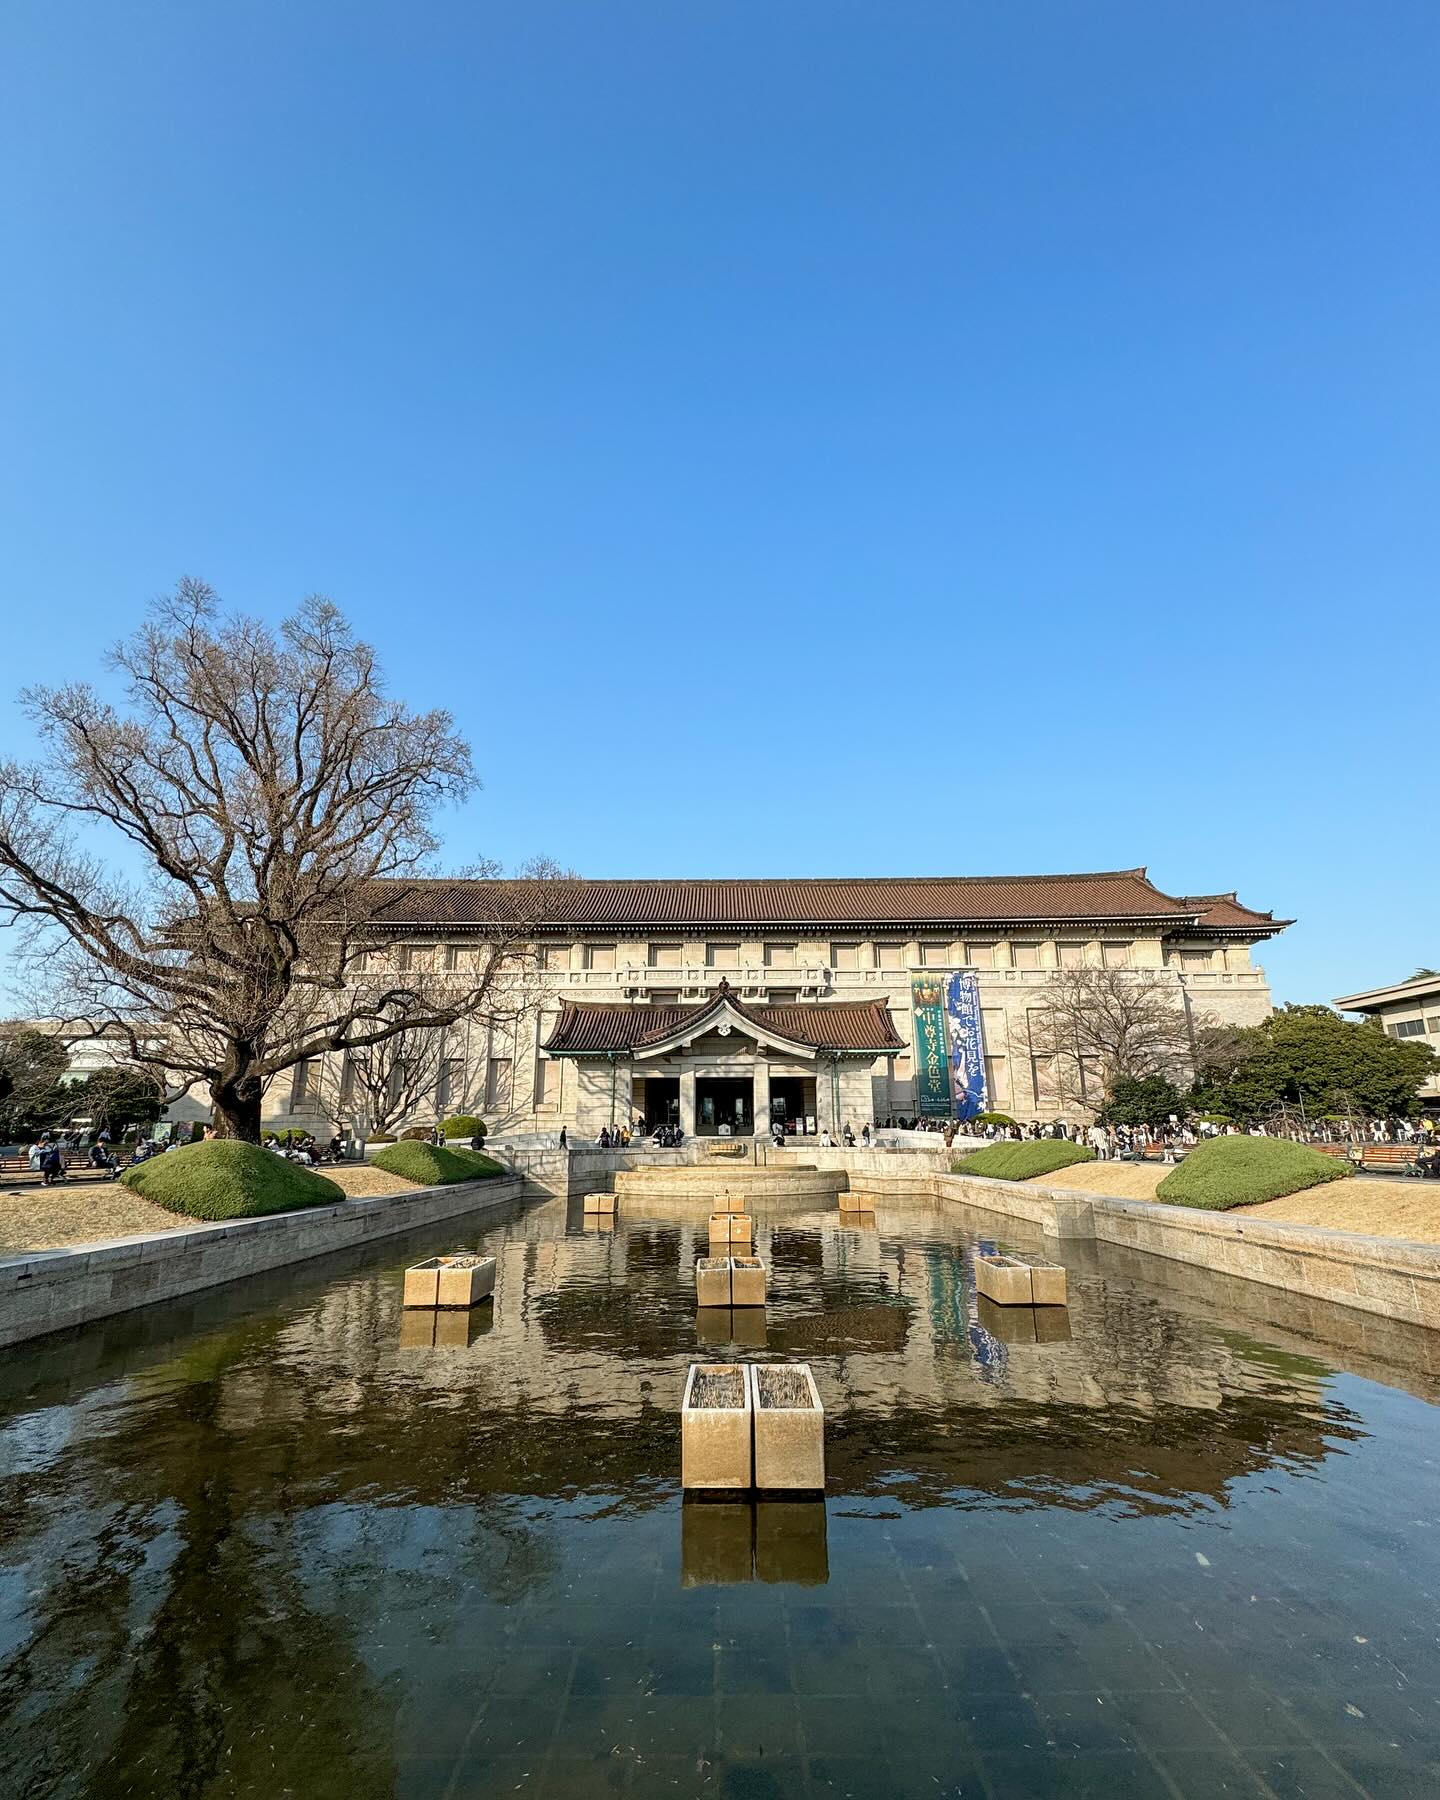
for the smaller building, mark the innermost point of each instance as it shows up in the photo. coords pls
(1410, 1010)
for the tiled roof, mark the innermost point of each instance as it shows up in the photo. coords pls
(850, 1027)
(927, 901)
(1223, 912)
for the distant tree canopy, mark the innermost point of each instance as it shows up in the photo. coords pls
(1309, 1056)
(33, 1065)
(1151, 1100)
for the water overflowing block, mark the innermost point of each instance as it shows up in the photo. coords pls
(459, 1280)
(789, 1428)
(855, 1202)
(600, 1203)
(715, 1414)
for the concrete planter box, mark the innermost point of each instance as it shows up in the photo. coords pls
(450, 1281)
(715, 1413)
(1048, 1283)
(730, 1203)
(747, 1281)
(730, 1228)
(712, 1281)
(603, 1204)
(1003, 1280)
(860, 1203)
(789, 1428)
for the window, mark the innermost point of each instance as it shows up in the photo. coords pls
(497, 1084)
(1405, 1029)
(1092, 1081)
(1071, 956)
(665, 996)
(935, 956)
(779, 956)
(722, 956)
(554, 957)
(300, 1083)
(1024, 956)
(892, 956)
(1434, 1027)
(997, 1082)
(545, 1083)
(784, 996)
(1116, 954)
(1194, 959)
(416, 958)
(468, 958)
(902, 1066)
(600, 957)
(451, 1084)
(845, 956)
(347, 1082)
(1042, 1078)
(666, 956)
(980, 956)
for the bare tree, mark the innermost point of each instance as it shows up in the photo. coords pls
(387, 1082)
(275, 807)
(1100, 1026)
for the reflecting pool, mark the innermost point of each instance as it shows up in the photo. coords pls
(288, 1539)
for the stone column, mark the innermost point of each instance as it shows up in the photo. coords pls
(687, 1102)
(762, 1097)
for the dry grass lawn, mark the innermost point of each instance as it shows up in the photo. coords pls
(1367, 1204)
(34, 1217)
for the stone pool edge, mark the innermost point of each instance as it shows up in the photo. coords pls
(50, 1290)
(1394, 1277)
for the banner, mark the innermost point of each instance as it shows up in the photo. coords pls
(932, 1056)
(967, 1044)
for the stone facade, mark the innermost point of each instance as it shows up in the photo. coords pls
(1201, 948)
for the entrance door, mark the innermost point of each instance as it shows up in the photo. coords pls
(659, 1102)
(792, 1104)
(724, 1102)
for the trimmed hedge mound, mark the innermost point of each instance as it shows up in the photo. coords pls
(1239, 1171)
(463, 1125)
(430, 1165)
(1018, 1162)
(226, 1179)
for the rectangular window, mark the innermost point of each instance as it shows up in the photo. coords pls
(980, 956)
(347, 1082)
(544, 1078)
(1042, 1078)
(902, 1067)
(997, 1082)
(1072, 956)
(892, 957)
(722, 956)
(300, 1083)
(783, 996)
(1116, 954)
(468, 959)
(600, 957)
(1092, 1082)
(779, 956)
(497, 1084)
(1194, 959)
(1434, 1027)
(845, 956)
(1407, 1028)
(1024, 956)
(666, 956)
(416, 959)
(664, 996)
(935, 956)
(451, 1085)
(554, 957)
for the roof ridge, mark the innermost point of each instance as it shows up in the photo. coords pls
(1139, 873)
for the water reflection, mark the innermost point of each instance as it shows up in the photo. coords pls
(288, 1537)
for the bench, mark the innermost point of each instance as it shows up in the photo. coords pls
(1392, 1159)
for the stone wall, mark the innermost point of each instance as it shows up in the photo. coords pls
(50, 1290)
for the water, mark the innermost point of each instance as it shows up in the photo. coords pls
(278, 1542)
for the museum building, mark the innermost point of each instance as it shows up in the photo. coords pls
(726, 1007)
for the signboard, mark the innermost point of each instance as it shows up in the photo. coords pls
(967, 1044)
(932, 1054)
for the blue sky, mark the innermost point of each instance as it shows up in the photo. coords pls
(793, 438)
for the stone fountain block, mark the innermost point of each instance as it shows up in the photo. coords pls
(790, 1542)
(730, 1228)
(747, 1281)
(1003, 1280)
(789, 1428)
(715, 1450)
(1048, 1282)
(716, 1542)
(730, 1203)
(599, 1203)
(853, 1202)
(712, 1281)
(450, 1281)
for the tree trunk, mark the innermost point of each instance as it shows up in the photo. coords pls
(236, 1099)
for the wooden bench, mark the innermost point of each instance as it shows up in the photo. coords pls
(1392, 1159)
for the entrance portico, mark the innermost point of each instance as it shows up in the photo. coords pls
(728, 1069)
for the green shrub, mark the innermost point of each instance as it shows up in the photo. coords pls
(464, 1125)
(226, 1179)
(415, 1134)
(432, 1166)
(1018, 1162)
(1003, 1120)
(1239, 1171)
